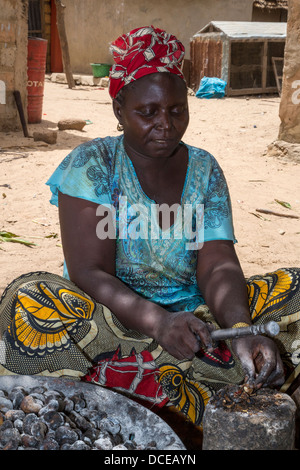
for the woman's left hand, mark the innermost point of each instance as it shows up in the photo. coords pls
(260, 360)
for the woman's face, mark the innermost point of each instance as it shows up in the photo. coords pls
(154, 114)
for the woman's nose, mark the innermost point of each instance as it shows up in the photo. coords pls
(164, 120)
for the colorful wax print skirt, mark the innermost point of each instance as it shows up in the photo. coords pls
(49, 327)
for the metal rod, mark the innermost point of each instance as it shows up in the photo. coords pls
(271, 329)
(19, 104)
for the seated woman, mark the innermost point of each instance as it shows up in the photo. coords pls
(150, 263)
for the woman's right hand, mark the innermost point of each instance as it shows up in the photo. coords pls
(179, 333)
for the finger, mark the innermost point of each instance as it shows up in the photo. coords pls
(268, 367)
(249, 371)
(247, 364)
(202, 335)
(184, 349)
(183, 354)
(276, 378)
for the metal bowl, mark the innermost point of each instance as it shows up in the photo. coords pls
(134, 418)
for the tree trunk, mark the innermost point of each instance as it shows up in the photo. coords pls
(289, 111)
(60, 11)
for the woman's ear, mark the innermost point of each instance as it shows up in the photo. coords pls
(117, 110)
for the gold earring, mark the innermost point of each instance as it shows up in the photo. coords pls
(119, 127)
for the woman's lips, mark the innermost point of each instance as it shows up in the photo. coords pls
(163, 141)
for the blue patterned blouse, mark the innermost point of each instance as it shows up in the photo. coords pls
(159, 264)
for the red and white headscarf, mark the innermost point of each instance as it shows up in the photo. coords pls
(141, 52)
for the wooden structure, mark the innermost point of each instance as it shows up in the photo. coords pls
(240, 53)
(289, 111)
(42, 23)
(270, 10)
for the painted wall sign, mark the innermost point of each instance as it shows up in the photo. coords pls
(2, 92)
(296, 94)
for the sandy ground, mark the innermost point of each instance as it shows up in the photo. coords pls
(237, 131)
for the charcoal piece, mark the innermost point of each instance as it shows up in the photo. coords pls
(82, 423)
(79, 401)
(103, 443)
(39, 430)
(29, 441)
(18, 424)
(28, 422)
(53, 419)
(5, 404)
(14, 414)
(65, 435)
(29, 405)
(10, 436)
(79, 445)
(16, 396)
(49, 444)
(68, 405)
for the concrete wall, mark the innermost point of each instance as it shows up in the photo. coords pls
(13, 60)
(91, 25)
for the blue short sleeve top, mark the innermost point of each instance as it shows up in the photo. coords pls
(159, 264)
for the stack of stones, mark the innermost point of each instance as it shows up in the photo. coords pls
(44, 419)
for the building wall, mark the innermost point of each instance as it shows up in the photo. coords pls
(47, 29)
(93, 24)
(13, 60)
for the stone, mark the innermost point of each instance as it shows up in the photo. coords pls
(86, 80)
(29, 441)
(48, 136)
(49, 444)
(28, 421)
(65, 435)
(5, 404)
(53, 419)
(10, 438)
(58, 78)
(104, 82)
(29, 405)
(120, 447)
(39, 430)
(103, 443)
(16, 396)
(79, 445)
(264, 420)
(284, 150)
(69, 124)
(13, 415)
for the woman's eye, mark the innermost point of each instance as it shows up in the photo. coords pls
(179, 110)
(147, 112)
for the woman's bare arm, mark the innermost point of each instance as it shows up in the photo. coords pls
(91, 266)
(222, 283)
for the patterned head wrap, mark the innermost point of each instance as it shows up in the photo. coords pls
(141, 52)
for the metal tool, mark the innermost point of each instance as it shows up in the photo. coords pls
(271, 329)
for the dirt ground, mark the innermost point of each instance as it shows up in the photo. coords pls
(237, 131)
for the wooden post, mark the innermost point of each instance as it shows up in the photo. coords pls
(60, 11)
(289, 111)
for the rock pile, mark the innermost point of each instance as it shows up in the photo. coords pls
(43, 419)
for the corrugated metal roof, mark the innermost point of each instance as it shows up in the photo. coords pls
(246, 29)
